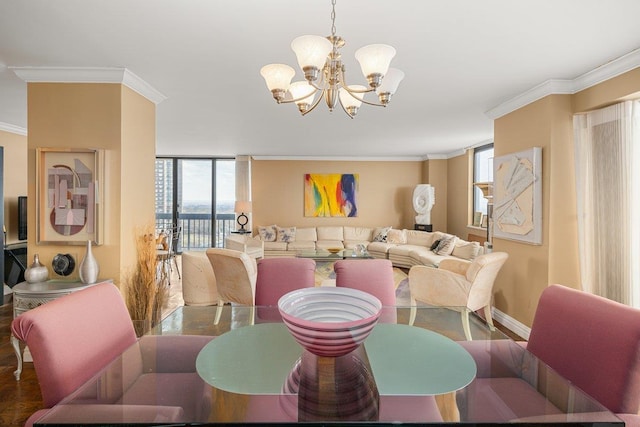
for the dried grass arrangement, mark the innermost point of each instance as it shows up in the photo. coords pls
(147, 286)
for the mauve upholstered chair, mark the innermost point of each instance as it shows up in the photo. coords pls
(592, 341)
(457, 284)
(236, 274)
(278, 276)
(374, 276)
(76, 336)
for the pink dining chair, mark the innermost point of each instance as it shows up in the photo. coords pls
(278, 276)
(76, 336)
(374, 276)
(592, 341)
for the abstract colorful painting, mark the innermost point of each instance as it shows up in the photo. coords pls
(333, 194)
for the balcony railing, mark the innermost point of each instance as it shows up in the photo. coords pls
(197, 231)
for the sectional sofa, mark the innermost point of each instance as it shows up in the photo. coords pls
(405, 248)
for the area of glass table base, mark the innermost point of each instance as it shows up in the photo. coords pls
(259, 374)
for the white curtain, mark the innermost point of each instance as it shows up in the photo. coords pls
(243, 182)
(607, 155)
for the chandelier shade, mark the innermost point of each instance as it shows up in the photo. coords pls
(374, 59)
(311, 51)
(278, 77)
(320, 61)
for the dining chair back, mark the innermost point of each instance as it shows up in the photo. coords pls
(236, 274)
(592, 341)
(198, 281)
(278, 276)
(79, 335)
(374, 276)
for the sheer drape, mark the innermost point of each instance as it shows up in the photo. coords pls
(608, 195)
(243, 182)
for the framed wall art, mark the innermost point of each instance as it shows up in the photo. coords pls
(69, 196)
(517, 196)
(334, 194)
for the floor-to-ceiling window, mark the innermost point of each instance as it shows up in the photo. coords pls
(197, 195)
(482, 172)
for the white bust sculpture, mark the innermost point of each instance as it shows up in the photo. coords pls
(424, 197)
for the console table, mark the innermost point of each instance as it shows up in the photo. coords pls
(27, 296)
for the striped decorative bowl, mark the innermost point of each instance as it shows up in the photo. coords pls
(329, 321)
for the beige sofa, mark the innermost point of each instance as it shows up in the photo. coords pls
(405, 248)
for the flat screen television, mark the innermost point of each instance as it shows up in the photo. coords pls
(22, 217)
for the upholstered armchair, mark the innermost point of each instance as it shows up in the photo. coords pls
(236, 274)
(198, 281)
(457, 284)
(75, 337)
(252, 246)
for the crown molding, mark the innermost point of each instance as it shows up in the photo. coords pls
(13, 129)
(340, 159)
(598, 75)
(89, 75)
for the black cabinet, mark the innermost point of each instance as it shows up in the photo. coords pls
(423, 227)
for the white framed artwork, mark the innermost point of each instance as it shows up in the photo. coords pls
(517, 196)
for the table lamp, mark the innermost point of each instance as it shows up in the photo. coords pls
(242, 207)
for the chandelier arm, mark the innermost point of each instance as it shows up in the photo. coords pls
(352, 91)
(315, 103)
(289, 101)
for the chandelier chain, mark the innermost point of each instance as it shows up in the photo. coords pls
(333, 17)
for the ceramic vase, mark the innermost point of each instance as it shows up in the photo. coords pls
(36, 272)
(89, 268)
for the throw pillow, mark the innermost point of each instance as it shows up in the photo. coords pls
(397, 236)
(267, 233)
(380, 234)
(435, 245)
(466, 250)
(287, 234)
(446, 245)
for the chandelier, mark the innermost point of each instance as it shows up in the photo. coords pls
(324, 73)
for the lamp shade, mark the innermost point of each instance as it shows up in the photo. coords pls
(347, 100)
(311, 51)
(375, 58)
(277, 76)
(390, 81)
(300, 89)
(242, 206)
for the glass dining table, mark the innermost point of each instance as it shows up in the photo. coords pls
(423, 374)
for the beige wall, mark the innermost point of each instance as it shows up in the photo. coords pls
(384, 197)
(546, 123)
(15, 179)
(105, 116)
(436, 175)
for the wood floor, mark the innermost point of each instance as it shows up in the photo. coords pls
(20, 399)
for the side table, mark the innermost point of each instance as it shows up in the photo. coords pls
(27, 296)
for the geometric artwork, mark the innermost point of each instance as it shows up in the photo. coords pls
(67, 204)
(517, 196)
(330, 195)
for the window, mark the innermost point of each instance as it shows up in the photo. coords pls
(198, 195)
(482, 172)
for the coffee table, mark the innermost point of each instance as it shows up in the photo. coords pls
(325, 255)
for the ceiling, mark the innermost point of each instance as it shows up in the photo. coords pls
(462, 58)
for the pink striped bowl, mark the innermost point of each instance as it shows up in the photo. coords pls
(329, 321)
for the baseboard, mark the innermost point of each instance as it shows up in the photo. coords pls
(512, 324)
